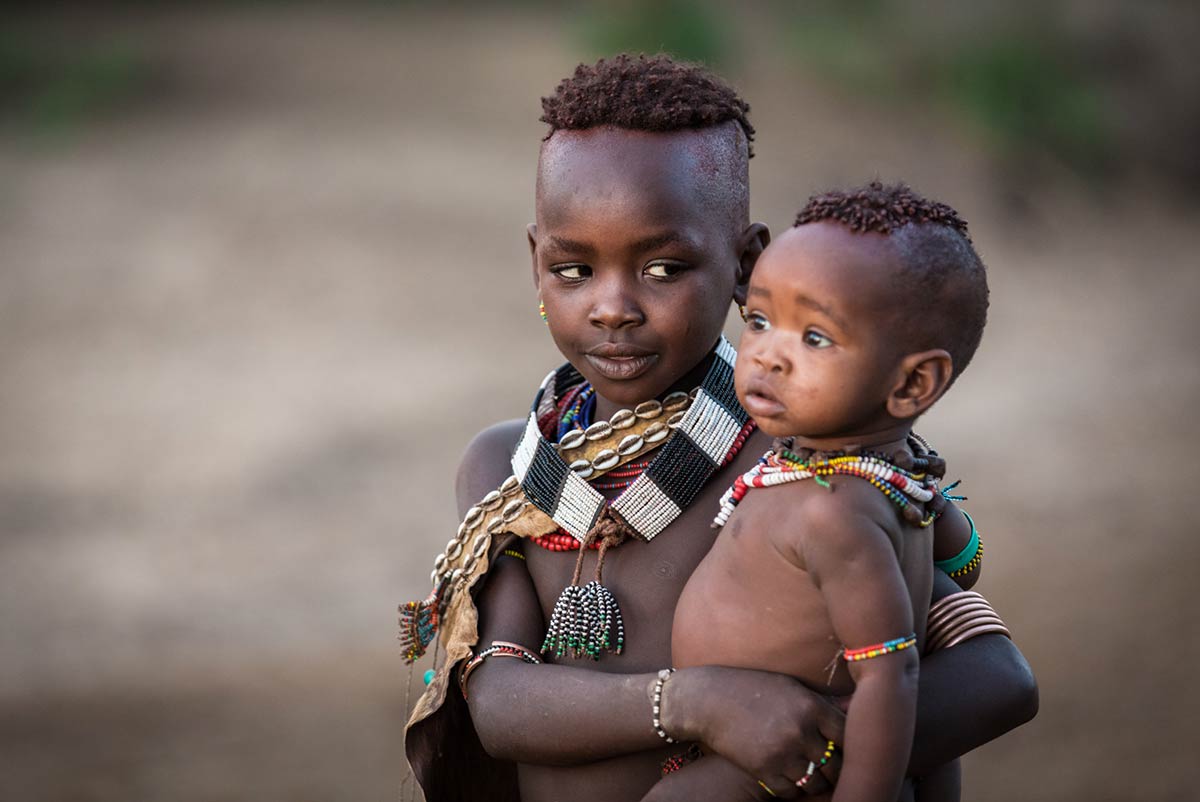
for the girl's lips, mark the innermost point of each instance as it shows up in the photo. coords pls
(621, 368)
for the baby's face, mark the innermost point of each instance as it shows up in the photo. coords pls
(817, 358)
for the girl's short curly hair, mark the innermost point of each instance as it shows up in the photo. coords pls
(644, 93)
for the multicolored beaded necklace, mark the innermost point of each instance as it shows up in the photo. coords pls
(586, 619)
(577, 413)
(905, 479)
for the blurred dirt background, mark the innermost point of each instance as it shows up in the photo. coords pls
(263, 274)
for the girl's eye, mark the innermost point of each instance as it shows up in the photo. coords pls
(571, 271)
(815, 339)
(665, 269)
(756, 321)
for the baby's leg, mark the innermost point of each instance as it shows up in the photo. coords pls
(943, 784)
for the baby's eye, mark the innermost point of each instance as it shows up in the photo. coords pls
(756, 321)
(665, 269)
(571, 271)
(816, 339)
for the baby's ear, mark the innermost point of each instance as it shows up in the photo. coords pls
(924, 376)
(753, 242)
(531, 232)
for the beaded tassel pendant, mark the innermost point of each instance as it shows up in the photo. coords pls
(586, 622)
(419, 623)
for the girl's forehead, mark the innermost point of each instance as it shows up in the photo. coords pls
(643, 174)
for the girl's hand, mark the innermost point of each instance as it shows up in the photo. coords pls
(769, 725)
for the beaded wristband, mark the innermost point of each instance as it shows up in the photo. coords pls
(879, 649)
(657, 708)
(498, 648)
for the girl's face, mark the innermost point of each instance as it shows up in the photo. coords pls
(635, 259)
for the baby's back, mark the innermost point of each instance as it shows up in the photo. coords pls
(754, 603)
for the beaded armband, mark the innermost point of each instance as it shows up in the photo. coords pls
(498, 648)
(879, 649)
(966, 560)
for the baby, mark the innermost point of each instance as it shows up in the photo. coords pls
(857, 321)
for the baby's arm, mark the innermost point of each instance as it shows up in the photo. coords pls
(852, 560)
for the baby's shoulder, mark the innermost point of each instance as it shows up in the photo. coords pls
(825, 522)
(841, 503)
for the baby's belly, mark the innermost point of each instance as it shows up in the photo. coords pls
(747, 607)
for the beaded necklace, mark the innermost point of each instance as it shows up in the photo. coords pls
(586, 619)
(673, 479)
(549, 494)
(580, 406)
(905, 480)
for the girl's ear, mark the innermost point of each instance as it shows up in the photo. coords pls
(753, 242)
(923, 377)
(531, 232)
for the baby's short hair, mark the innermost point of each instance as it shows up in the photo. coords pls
(942, 286)
(644, 93)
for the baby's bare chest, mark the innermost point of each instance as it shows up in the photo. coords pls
(751, 603)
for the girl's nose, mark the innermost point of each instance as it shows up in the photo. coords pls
(615, 307)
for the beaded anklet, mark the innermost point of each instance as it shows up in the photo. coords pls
(813, 765)
(675, 762)
(498, 648)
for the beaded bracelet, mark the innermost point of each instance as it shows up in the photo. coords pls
(498, 648)
(658, 692)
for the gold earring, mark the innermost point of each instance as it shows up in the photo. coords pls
(742, 311)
